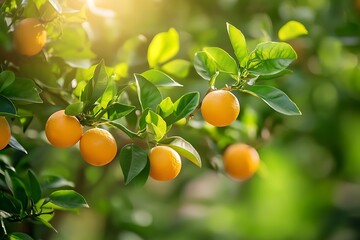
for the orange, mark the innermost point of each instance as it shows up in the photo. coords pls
(29, 37)
(63, 130)
(220, 108)
(98, 147)
(165, 163)
(5, 133)
(241, 161)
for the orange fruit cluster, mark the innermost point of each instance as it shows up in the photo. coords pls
(97, 146)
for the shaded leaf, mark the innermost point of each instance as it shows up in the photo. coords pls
(16, 145)
(204, 65)
(74, 109)
(118, 110)
(127, 131)
(6, 79)
(7, 108)
(19, 236)
(17, 188)
(34, 187)
(23, 90)
(148, 94)
(184, 106)
(133, 160)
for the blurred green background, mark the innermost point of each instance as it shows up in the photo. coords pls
(308, 186)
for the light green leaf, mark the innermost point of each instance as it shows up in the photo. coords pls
(184, 148)
(133, 160)
(274, 97)
(224, 62)
(179, 68)
(148, 94)
(109, 93)
(74, 108)
(160, 79)
(271, 58)
(156, 125)
(238, 43)
(276, 75)
(163, 47)
(204, 65)
(67, 199)
(291, 30)
(165, 108)
(19, 236)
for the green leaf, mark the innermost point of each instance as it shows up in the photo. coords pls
(238, 43)
(271, 58)
(118, 110)
(67, 199)
(17, 188)
(74, 109)
(34, 187)
(19, 236)
(109, 93)
(224, 62)
(274, 97)
(7, 108)
(184, 148)
(53, 182)
(179, 68)
(291, 30)
(163, 47)
(43, 219)
(149, 95)
(160, 79)
(165, 108)
(16, 145)
(133, 160)
(127, 131)
(56, 5)
(9, 204)
(156, 125)
(6, 79)
(23, 90)
(276, 75)
(204, 65)
(184, 106)
(95, 88)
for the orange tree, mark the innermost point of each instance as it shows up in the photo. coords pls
(86, 92)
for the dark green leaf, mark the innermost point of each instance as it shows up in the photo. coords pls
(23, 90)
(74, 109)
(7, 108)
(17, 188)
(179, 68)
(133, 160)
(118, 110)
(149, 95)
(238, 43)
(67, 199)
(160, 79)
(19, 236)
(34, 187)
(120, 126)
(184, 148)
(277, 75)
(270, 58)
(9, 204)
(41, 219)
(163, 47)
(16, 145)
(224, 62)
(184, 106)
(204, 65)
(275, 98)
(6, 79)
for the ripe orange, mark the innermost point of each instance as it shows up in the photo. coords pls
(220, 108)
(29, 37)
(165, 163)
(241, 161)
(98, 147)
(5, 133)
(62, 130)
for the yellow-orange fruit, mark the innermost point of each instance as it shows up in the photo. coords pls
(165, 163)
(5, 133)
